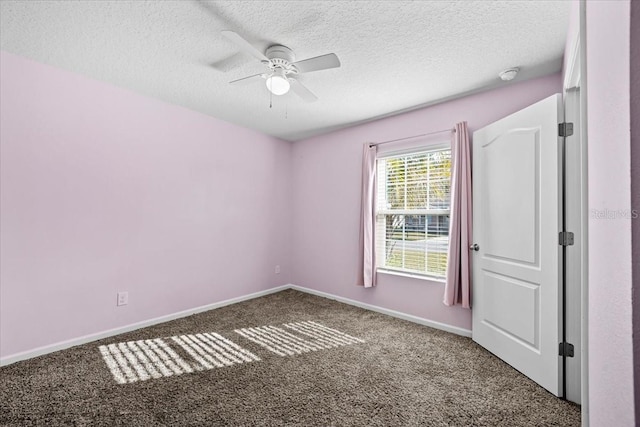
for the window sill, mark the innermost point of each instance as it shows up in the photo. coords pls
(412, 275)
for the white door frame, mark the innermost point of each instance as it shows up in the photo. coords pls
(573, 223)
(577, 220)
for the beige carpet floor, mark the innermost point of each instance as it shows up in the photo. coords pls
(350, 367)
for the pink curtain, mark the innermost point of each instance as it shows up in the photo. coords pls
(457, 290)
(367, 266)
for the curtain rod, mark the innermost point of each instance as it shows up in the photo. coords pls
(414, 136)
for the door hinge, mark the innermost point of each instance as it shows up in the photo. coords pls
(565, 238)
(565, 129)
(565, 349)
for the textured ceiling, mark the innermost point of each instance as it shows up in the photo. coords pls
(395, 55)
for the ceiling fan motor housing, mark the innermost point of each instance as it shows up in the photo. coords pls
(280, 52)
(281, 58)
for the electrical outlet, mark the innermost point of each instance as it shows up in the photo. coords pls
(277, 269)
(123, 298)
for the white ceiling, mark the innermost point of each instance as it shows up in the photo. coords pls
(395, 56)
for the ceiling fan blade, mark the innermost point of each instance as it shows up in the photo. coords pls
(229, 63)
(318, 63)
(247, 80)
(302, 91)
(244, 45)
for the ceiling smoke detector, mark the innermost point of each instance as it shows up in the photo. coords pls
(509, 74)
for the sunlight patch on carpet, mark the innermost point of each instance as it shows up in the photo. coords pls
(142, 360)
(145, 359)
(284, 343)
(212, 350)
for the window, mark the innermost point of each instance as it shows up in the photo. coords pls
(412, 218)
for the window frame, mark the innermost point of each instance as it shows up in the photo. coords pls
(387, 154)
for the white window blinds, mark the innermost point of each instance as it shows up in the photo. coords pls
(412, 217)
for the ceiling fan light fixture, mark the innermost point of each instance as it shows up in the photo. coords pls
(278, 83)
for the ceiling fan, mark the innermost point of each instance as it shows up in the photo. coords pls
(282, 68)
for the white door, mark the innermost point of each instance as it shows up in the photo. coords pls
(517, 218)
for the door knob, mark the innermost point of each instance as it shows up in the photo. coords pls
(474, 247)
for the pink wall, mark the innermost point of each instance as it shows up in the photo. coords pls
(104, 190)
(326, 172)
(611, 399)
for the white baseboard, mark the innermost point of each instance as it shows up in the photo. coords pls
(409, 317)
(7, 360)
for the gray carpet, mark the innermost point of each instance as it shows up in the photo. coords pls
(403, 374)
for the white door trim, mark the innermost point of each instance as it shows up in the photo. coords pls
(575, 74)
(573, 223)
